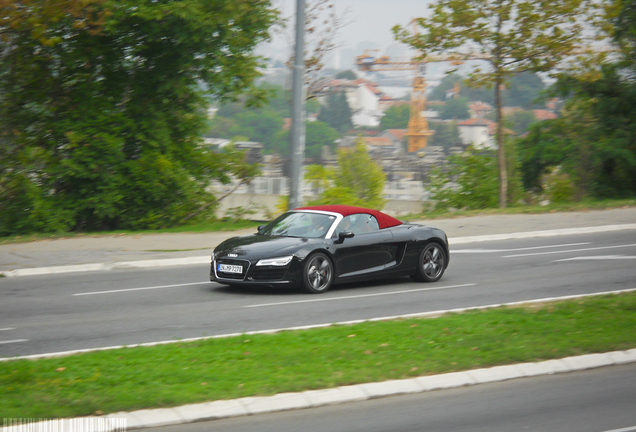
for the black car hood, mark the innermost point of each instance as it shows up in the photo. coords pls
(258, 246)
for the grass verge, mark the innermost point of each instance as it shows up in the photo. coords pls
(171, 375)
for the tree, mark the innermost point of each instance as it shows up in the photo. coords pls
(447, 83)
(520, 121)
(222, 127)
(336, 112)
(594, 141)
(318, 136)
(511, 36)
(347, 75)
(102, 107)
(567, 143)
(468, 182)
(357, 180)
(524, 91)
(455, 109)
(396, 117)
(260, 125)
(446, 135)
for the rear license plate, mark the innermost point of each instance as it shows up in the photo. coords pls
(228, 268)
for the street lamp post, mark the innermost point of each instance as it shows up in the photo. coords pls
(297, 135)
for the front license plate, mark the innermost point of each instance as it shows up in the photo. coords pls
(228, 268)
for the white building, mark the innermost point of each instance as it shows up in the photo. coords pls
(477, 132)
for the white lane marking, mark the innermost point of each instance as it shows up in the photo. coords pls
(7, 329)
(547, 233)
(598, 258)
(570, 251)
(140, 289)
(315, 326)
(14, 341)
(627, 429)
(517, 249)
(359, 296)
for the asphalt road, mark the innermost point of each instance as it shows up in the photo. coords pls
(600, 400)
(52, 313)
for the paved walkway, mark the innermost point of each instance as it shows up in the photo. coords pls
(113, 250)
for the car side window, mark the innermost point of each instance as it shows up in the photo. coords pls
(358, 224)
(344, 225)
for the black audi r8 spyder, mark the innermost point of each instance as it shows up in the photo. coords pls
(315, 247)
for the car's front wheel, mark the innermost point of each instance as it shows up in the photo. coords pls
(317, 273)
(431, 264)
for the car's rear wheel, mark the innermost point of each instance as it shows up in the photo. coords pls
(317, 273)
(431, 264)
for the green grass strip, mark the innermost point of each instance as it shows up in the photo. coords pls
(257, 365)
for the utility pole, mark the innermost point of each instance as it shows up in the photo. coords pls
(297, 135)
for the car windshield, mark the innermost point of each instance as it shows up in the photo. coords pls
(299, 224)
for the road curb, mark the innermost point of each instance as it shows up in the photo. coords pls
(206, 258)
(316, 398)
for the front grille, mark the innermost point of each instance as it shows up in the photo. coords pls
(269, 273)
(235, 276)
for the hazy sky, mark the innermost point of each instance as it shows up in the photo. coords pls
(369, 20)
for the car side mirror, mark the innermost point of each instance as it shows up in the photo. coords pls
(259, 228)
(344, 235)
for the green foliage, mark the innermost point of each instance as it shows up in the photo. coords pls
(598, 157)
(357, 180)
(597, 129)
(469, 181)
(396, 117)
(260, 125)
(336, 112)
(313, 106)
(523, 90)
(100, 122)
(317, 136)
(222, 127)
(446, 135)
(512, 37)
(448, 82)
(558, 187)
(346, 74)
(455, 109)
(520, 121)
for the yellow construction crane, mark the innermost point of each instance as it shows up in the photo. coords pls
(417, 130)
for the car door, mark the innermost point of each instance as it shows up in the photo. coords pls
(367, 251)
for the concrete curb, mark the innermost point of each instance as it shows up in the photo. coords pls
(361, 392)
(206, 258)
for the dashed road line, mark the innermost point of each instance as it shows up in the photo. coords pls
(315, 326)
(14, 341)
(140, 289)
(598, 258)
(466, 251)
(570, 251)
(322, 299)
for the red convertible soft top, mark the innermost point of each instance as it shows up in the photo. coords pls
(384, 220)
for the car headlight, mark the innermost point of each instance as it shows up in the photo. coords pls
(278, 262)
